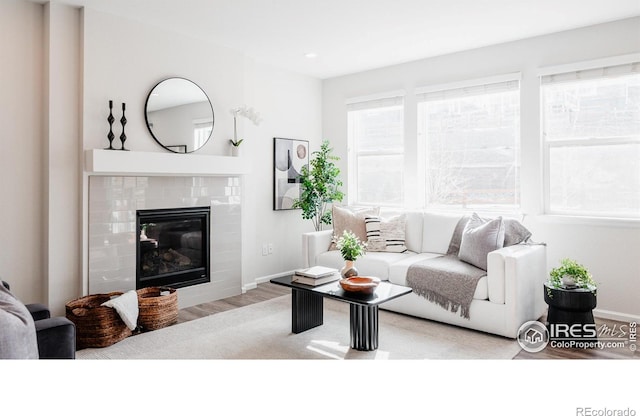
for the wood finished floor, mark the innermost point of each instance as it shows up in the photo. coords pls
(266, 291)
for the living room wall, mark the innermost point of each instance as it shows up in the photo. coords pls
(97, 57)
(609, 248)
(21, 171)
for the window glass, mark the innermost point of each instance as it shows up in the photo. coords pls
(472, 145)
(591, 132)
(376, 137)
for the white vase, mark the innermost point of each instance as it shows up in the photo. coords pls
(349, 270)
(235, 150)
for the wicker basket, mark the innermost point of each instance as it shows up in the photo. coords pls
(155, 310)
(96, 326)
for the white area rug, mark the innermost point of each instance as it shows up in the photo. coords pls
(263, 331)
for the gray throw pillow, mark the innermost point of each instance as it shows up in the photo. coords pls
(515, 232)
(479, 238)
(18, 332)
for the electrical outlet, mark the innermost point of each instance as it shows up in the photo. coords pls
(270, 248)
(264, 250)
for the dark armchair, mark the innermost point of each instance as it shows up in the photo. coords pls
(56, 337)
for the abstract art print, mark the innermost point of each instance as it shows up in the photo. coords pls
(289, 156)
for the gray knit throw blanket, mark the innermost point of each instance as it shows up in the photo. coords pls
(446, 280)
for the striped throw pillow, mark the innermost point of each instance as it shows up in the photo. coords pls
(385, 235)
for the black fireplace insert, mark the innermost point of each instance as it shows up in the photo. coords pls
(173, 247)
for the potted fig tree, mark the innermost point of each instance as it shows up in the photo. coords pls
(319, 187)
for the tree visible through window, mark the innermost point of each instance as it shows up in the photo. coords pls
(472, 146)
(591, 133)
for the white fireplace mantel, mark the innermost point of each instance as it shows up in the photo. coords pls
(124, 163)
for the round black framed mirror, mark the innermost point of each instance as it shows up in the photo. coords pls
(179, 115)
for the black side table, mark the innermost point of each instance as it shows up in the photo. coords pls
(574, 309)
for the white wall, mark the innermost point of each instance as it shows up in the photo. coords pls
(125, 59)
(63, 168)
(21, 158)
(610, 250)
(290, 105)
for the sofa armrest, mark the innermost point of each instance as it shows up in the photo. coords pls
(314, 244)
(56, 338)
(509, 262)
(38, 311)
(516, 275)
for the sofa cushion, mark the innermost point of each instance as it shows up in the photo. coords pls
(371, 264)
(398, 274)
(437, 231)
(385, 234)
(398, 270)
(479, 238)
(352, 219)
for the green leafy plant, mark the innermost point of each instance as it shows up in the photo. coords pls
(572, 270)
(319, 186)
(236, 143)
(350, 246)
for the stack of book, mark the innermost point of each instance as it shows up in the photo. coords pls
(316, 275)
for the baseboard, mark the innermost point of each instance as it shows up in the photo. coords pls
(264, 279)
(616, 316)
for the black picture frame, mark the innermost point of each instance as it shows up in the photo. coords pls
(289, 156)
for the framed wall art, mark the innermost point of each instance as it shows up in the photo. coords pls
(289, 156)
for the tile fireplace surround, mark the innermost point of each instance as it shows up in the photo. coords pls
(113, 201)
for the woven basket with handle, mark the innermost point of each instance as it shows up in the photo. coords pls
(96, 326)
(158, 307)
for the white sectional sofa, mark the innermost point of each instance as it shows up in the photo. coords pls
(508, 296)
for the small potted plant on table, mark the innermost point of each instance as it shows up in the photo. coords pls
(351, 248)
(570, 293)
(571, 275)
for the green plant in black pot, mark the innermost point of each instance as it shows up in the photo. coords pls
(571, 275)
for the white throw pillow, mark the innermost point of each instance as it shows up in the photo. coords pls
(386, 235)
(479, 238)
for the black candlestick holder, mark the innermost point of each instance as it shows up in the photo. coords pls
(110, 119)
(123, 121)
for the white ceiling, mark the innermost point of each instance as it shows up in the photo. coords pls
(356, 35)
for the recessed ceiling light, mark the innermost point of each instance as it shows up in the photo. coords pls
(311, 55)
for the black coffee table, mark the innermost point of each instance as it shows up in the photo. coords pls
(307, 308)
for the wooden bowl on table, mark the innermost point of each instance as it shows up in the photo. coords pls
(361, 285)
